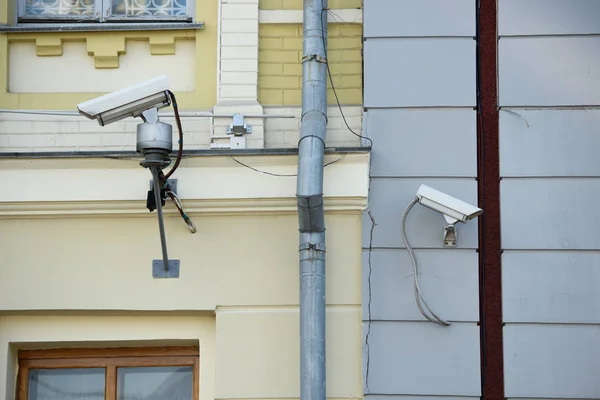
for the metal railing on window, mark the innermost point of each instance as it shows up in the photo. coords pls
(105, 10)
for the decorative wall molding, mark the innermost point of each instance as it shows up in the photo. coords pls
(217, 184)
(104, 47)
(138, 208)
(346, 16)
(49, 46)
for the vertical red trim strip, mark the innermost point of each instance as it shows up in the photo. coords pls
(489, 199)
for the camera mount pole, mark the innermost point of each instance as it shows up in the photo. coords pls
(155, 142)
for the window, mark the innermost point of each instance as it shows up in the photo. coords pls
(105, 10)
(109, 374)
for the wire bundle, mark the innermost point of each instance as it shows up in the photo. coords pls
(164, 178)
(418, 295)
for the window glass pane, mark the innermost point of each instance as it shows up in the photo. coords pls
(155, 383)
(59, 7)
(157, 8)
(72, 384)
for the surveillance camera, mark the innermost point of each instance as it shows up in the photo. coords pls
(128, 102)
(453, 209)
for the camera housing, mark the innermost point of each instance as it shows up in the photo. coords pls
(454, 210)
(132, 101)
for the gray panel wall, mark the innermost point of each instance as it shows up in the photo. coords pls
(420, 94)
(549, 52)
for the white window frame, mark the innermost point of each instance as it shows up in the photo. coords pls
(103, 13)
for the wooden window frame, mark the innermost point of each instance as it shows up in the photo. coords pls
(109, 359)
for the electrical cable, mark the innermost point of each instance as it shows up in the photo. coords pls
(163, 179)
(337, 99)
(179, 204)
(180, 129)
(281, 175)
(417, 289)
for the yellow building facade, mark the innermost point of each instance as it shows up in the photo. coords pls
(78, 242)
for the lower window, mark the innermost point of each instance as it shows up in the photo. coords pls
(109, 374)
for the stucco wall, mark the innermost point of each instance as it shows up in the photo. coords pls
(420, 94)
(77, 267)
(549, 75)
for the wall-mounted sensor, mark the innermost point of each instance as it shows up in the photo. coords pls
(128, 102)
(453, 210)
(154, 142)
(451, 207)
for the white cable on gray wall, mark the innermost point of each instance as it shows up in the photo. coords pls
(418, 295)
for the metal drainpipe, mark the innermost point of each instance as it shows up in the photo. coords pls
(311, 216)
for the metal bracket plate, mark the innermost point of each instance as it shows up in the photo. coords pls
(172, 184)
(450, 236)
(238, 127)
(158, 269)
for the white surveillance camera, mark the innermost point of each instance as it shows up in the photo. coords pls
(128, 102)
(454, 210)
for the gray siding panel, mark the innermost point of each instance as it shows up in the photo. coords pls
(551, 286)
(548, 17)
(419, 72)
(418, 358)
(559, 213)
(549, 71)
(449, 280)
(419, 58)
(375, 397)
(556, 143)
(388, 18)
(390, 196)
(423, 142)
(556, 361)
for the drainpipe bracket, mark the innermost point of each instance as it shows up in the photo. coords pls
(313, 246)
(315, 57)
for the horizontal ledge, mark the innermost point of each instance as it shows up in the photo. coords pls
(562, 177)
(92, 27)
(556, 107)
(554, 250)
(422, 37)
(186, 153)
(183, 114)
(419, 248)
(295, 308)
(433, 176)
(10, 210)
(435, 396)
(219, 183)
(421, 108)
(400, 321)
(106, 312)
(346, 16)
(545, 35)
(416, 321)
(553, 323)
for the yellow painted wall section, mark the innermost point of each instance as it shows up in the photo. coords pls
(297, 4)
(233, 260)
(244, 267)
(280, 64)
(105, 48)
